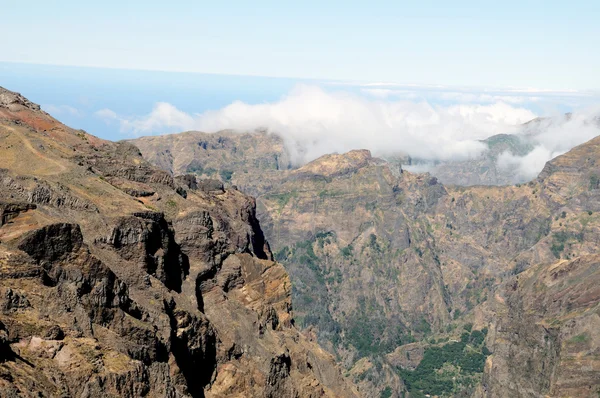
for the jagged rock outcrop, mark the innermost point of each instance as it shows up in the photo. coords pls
(116, 280)
(147, 238)
(8, 211)
(15, 101)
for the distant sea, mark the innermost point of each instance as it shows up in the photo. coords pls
(73, 94)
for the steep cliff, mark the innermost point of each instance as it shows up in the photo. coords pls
(118, 280)
(420, 286)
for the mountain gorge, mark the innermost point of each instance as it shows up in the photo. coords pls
(158, 275)
(418, 286)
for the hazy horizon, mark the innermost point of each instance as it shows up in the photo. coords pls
(315, 117)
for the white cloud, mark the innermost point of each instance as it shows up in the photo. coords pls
(163, 116)
(61, 110)
(551, 137)
(314, 122)
(106, 114)
(526, 168)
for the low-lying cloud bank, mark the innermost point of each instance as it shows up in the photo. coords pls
(551, 137)
(314, 122)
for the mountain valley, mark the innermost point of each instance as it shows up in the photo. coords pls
(158, 275)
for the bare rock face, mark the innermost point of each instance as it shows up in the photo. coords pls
(279, 373)
(9, 211)
(148, 238)
(53, 242)
(117, 280)
(546, 338)
(194, 348)
(15, 101)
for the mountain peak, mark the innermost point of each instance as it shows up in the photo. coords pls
(15, 101)
(336, 164)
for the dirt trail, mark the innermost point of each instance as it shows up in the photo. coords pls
(61, 167)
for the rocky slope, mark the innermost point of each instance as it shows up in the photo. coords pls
(413, 284)
(252, 161)
(545, 337)
(117, 279)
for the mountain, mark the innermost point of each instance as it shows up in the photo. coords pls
(117, 279)
(434, 289)
(251, 160)
(546, 324)
(485, 170)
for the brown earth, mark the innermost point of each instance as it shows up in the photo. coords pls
(380, 258)
(118, 280)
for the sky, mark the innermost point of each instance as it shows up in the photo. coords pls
(428, 79)
(542, 44)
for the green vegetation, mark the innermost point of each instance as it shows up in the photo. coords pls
(557, 248)
(310, 294)
(323, 238)
(448, 368)
(347, 251)
(580, 338)
(326, 193)
(456, 314)
(209, 171)
(283, 198)
(282, 254)
(423, 327)
(517, 145)
(386, 393)
(373, 243)
(195, 167)
(559, 239)
(171, 204)
(594, 182)
(83, 135)
(372, 206)
(371, 333)
(226, 175)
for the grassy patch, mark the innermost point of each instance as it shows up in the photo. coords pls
(580, 338)
(282, 199)
(226, 175)
(559, 239)
(447, 369)
(594, 182)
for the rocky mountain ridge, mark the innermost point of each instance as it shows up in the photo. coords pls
(391, 270)
(119, 280)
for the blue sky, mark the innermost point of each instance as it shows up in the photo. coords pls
(426, 78)
(542, 44)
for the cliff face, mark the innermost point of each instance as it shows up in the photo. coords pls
(401, 276)
(546, 341)
(118, 280)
